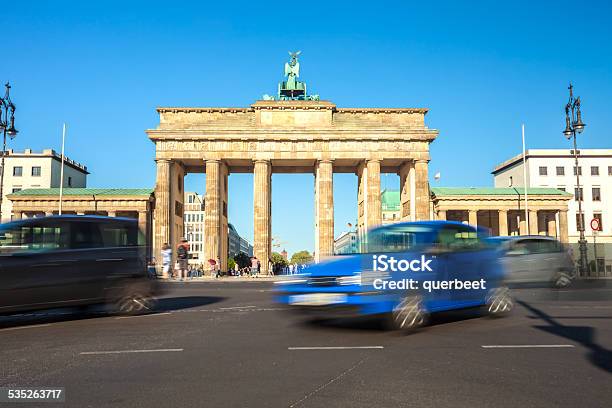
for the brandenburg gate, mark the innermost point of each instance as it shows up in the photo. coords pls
(291, 133)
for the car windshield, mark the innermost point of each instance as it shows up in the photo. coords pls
(396, 239)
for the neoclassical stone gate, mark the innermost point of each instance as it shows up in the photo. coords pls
(287, 136)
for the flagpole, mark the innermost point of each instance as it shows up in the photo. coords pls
(525, 179)
(61, 192)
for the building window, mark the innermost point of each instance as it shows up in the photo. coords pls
(594, 170)
(36, 171)
(578, 194)
(562, 188)
(609, 170)
(543, 171)
(596, 194)
(597, 216)
(69, 181)
(579, 221)
(17, 171)
(579, 170)
(16, 189)
(560, 171)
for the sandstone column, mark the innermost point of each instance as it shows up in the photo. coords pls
(563, 235)
(262, 197)
(503, 222)
(212, 211)
(162, 209)
(142, 223)
(551, 226)
(522, 223)
(17, 215)
(324, 209)
(473, 217)
(406, 175)
(111, 213)
(421, 190)
(533, 222)
(442, 214)
(374, 204)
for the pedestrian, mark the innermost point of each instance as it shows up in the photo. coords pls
(217, 268)
(236, 269)
(182, 255)
(166, 254)
(291, 269)
(254, 266)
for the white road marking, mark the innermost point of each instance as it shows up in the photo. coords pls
(143, 315)
(337, 348)
(25, 327)
(236, 307)
(528, 346)
(129, 351)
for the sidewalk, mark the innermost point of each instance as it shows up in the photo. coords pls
(227, 279)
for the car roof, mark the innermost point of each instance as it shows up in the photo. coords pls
(435, 224)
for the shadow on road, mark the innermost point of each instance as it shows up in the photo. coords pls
(380, 324)
(49, 316)
(585, 335)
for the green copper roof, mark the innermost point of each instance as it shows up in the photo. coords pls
(390, 200)
(85, 191)
(442, 191)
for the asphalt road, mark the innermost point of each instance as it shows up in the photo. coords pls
(227, 345)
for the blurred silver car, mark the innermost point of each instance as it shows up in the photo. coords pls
(537, 260)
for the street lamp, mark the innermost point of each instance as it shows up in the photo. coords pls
(7, 125)
(573, 126)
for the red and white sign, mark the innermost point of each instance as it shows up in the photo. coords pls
(595, 224)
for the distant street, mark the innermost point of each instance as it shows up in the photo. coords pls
(226, 344)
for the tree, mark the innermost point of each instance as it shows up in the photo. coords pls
(301, 257)
(242, 260)
(230, 264)
(278, 259)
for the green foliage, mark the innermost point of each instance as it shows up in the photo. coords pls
(278, 259)
(242, 260)
(301, 257)
(231, 263)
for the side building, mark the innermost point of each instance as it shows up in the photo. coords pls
(194, 227)
(29, 169)
(555, 168)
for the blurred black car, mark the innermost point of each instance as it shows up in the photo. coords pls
(73, 260)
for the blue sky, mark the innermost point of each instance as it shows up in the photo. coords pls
(482, 68)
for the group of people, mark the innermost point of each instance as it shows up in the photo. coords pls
(183, 270)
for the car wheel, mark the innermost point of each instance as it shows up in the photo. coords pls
(499, 301)
(562, 281)
(134, 303)
(409, 314)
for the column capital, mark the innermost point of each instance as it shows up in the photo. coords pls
(163, 161)
(212, 161)
(372, 160)
(421, 161)
(330, 161)
(264, 161)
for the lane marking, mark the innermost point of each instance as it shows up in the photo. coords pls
(528, 346)
(144, 315)
(129, 351)
(333, 380)
(25, 327)
(337, 348)
(236, 307)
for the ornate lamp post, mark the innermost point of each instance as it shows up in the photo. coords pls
(573, 126)
(7, 126)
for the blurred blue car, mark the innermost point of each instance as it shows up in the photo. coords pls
(404, 272)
